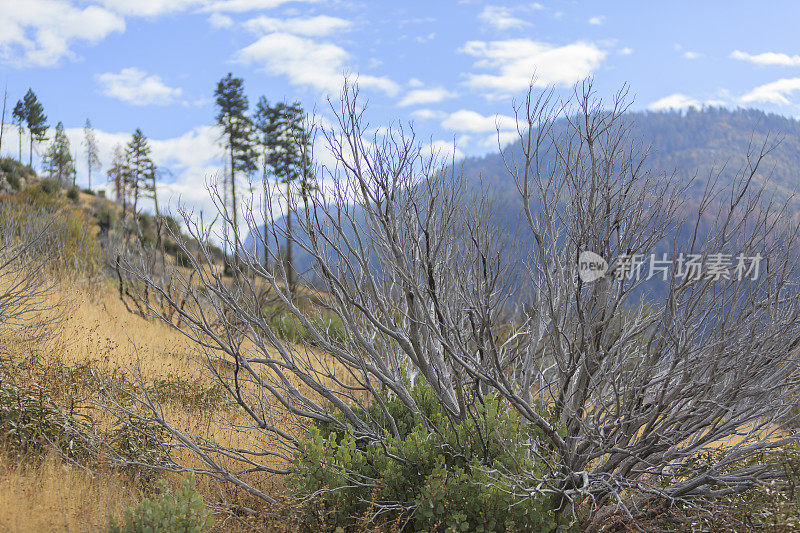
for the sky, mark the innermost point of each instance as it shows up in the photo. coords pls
(454, 69)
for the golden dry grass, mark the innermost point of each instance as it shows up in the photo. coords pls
(94, 327)
(56, 496)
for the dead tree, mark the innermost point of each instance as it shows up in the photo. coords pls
(425, 287)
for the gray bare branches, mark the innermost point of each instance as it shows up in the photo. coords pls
(626, 393)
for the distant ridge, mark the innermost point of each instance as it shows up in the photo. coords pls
(693, 142)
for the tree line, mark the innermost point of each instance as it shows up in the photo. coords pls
(276, 136)
(274, 140)
(58, 161)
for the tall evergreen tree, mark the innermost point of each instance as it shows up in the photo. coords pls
(285, 144)
(58, 160)
(237, 132)
(139, 166)
(18, 116)
(117, 176)
(35, 120)
(92, 157)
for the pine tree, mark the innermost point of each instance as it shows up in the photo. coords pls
(285, 144)
(117, 176)
(18, 116)
(140, 167)
(35, 119)
(237, 131)
(92, 157)
(58, 160)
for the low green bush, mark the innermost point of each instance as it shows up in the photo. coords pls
(49, 186)
(183, 512)
(106, 217)
(73, 193)
(424, 480)
(31, 422)
(14, 172)
(14, 181)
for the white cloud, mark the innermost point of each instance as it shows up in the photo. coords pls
(41, 32)
(307, 62)
(444, 150)
(136, 87)
(767, 58)
(626, 51)
(467, 120)
(597, 21)
(428, 114)
(498, 140)
(218, 20)
(426, 96)
(148, 8)
(241, 6)
(501, 18)
(674, 101)
(692, 55)
(517, 60)
(415, 83)
(154, 8)
(776, 92)
(318, 26)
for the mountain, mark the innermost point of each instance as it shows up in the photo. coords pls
(695, 142)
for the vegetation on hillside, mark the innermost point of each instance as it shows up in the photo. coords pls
(410, 382)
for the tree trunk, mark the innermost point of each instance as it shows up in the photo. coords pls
(235, 217)
(266, 242)
(290, 278)
(30, 153)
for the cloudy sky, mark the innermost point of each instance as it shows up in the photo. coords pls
(454, 67)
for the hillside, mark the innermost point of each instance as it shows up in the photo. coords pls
(697, 143)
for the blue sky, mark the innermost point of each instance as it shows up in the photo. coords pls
(451, 67)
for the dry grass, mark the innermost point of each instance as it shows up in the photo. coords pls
(55, 496)
(94, 327)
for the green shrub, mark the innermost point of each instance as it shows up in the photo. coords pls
(135, 441)
(426, 481)
(73, 193)
(14, 172)
(13, 180)
(105, 218)
(183, 512)
(30, 421)
(49, 186)
(88, 191)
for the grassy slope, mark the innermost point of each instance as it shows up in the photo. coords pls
(96, 329)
